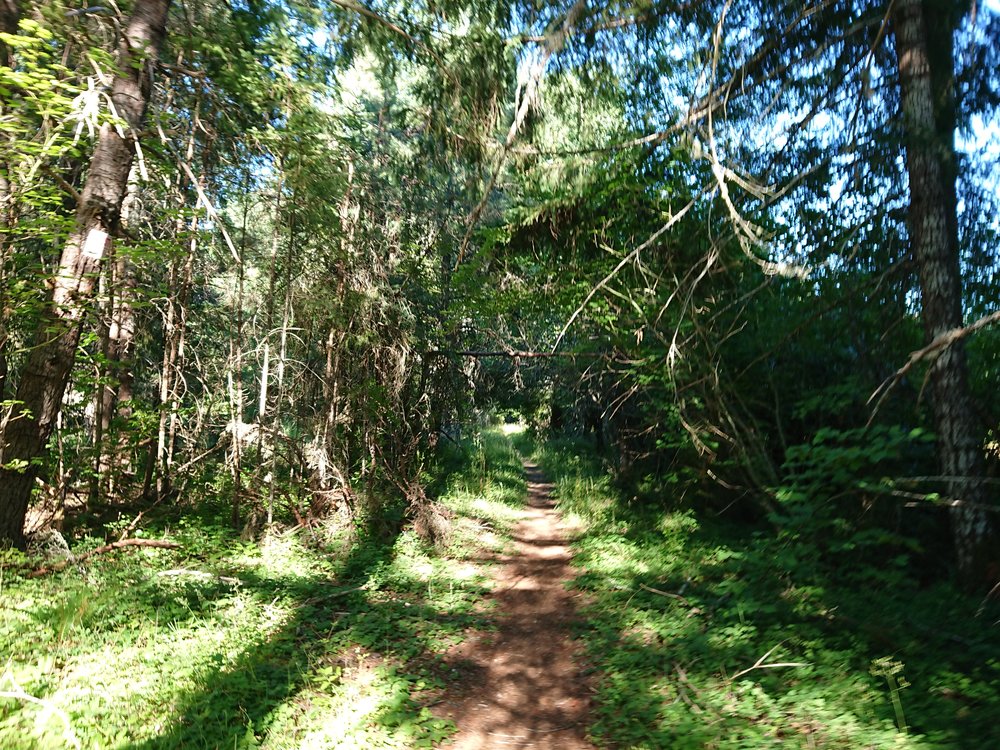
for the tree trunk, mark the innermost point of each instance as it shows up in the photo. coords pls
(179, 364)
(116, 377)
(45, 375)
(10, 16)
(924, 36)
(116, 395)
(235, 382)
(286, 319)
(102, 374)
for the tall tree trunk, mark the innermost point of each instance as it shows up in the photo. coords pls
(115, 394)
(172, 366)
(102, 373)
(179, 380)
(118, 396)
(45, 375)
(167, 369)
(924, 33)
(10, 16)
(269, 314)
(115, 378)
(286, 317)
(236, 407)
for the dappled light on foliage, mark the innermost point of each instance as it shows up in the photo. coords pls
(289, 290)
(708, 634)
(302, 641)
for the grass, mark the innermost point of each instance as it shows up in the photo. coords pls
(302, 640)
(701, 634)
(710, 635)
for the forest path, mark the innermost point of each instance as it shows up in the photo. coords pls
(522, 685)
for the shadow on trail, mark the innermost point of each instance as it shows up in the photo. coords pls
(333, 623)
(523, 685)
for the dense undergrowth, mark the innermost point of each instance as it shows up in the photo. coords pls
(309, 639)
(708, 634)
(702, 633)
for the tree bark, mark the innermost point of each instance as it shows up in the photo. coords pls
(115, 375)
(118, 397)
(115, 396)
(47, 371)
(10, 17)
(924, 33)
(286, 318)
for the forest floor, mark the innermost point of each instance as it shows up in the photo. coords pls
(707, 632)
(523, 685)
(558, 612)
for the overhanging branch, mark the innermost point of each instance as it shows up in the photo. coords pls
(512, 354)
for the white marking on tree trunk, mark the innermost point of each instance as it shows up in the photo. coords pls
(97, 240)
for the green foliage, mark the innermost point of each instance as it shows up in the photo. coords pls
(710, 634)
(339, 192)
(298, 641)
(836, 486)
(44, 101)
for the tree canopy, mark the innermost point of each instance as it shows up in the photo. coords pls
(283, 249)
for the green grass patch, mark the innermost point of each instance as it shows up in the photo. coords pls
(302, 640)
(710, 635)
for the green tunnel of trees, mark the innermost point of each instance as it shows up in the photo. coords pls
(279, 252)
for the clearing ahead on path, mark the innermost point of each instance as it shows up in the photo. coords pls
(522, 686)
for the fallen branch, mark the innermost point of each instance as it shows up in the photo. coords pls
(158, 543)
(200, 575)
(512, 354)
(678, 597)
(683, 678)
(138, 519)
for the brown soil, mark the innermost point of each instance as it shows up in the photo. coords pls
(522, 685)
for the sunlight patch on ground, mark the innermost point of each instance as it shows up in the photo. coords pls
(352, 710)
(490, 508)
(135, 687)
(254, 644)
(466, 572)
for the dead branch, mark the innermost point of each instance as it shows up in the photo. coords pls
(678, 597)
(760, 664)
(363, 10)
(552, 46)
(158, 543)
(624, 261)
(511, 354)
(932, 351)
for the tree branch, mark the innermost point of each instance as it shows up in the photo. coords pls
(158, 543)
(510, 354)
(932, 351)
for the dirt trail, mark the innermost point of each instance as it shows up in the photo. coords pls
(522, 686)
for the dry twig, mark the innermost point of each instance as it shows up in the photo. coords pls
(932, 351)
